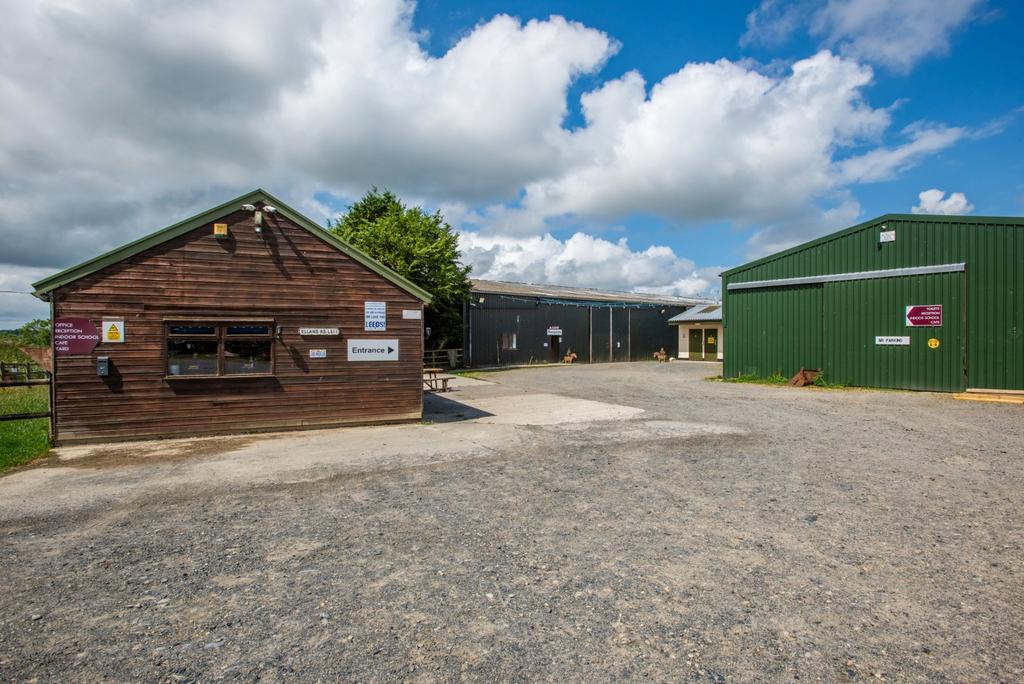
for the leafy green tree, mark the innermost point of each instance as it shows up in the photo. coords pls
(35, 333)
(419, 246)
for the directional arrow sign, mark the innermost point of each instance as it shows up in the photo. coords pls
(373, 350)
(74, 336)
(924, 316)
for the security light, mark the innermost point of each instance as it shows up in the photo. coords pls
(269, 209)
(249, 207)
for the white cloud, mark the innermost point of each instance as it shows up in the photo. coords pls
(934, 201)
(711, 142)
(896, 34)
(586, 261)
(120, 118)
(883, 163)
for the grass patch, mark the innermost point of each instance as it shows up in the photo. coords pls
(23, 440)
(775, 379)
(820, 381)
(476, 375)
(752, 379)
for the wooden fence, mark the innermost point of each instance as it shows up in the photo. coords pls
(16, 374)
(23, 375)
(442, 358)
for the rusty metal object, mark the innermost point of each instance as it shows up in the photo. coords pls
(804, 377)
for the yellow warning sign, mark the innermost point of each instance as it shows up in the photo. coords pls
(220, 229)
(933, 343)
(711, 339)
(113, 330)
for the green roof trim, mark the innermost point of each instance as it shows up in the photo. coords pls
(933, 218)
(69, 275)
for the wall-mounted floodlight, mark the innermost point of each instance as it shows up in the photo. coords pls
(249, 207)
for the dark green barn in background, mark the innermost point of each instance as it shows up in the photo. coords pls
(863, 305)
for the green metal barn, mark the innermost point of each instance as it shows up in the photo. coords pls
(904, 301)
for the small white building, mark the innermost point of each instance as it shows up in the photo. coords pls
(700, 332)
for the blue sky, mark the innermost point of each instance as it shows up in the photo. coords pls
(639, 146)
(978, 82)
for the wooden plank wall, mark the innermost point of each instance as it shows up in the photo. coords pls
(285, 274)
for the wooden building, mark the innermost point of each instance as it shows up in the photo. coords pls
(246, 317)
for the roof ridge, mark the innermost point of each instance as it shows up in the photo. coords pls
(46, 285)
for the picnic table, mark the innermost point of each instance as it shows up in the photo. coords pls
(436, 381)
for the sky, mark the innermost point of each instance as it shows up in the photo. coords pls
(642, 146)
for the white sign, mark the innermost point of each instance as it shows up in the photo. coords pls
(318, 353)
(892, 340)
(113, 330)
(412, 314)
(554, 330)
(312, 332)
(887, 236)
(373, 350)
(375, 315)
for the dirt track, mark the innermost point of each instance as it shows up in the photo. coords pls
(724, 533)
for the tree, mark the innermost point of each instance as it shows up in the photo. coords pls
(35, 333)
(420, 247)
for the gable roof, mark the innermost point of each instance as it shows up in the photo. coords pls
(699, 313)
(884, 218)
(46, 285)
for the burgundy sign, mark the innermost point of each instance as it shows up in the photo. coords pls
(924, 315)
(74, 336)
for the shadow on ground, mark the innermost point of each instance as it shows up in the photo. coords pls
(441, 409)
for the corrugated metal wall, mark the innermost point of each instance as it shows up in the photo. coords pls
(989, 318)
(780, 331)
(856, 311)
(597, 334)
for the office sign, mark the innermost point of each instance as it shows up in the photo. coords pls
(375, 316)
(373, 350)
(924, 316)
(554, 331)
(74, 336)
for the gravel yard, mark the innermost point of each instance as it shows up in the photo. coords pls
(584, 523)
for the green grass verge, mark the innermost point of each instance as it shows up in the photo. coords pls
(23, 440)
(775, 379)
(478, 375)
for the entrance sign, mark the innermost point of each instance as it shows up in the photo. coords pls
(373, 350)
(313, 332)
(74, 336)
(924, 315)
(113, 330)
(892, 340)
(375, 316)
(554, 331)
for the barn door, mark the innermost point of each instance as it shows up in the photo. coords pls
(905, 332)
